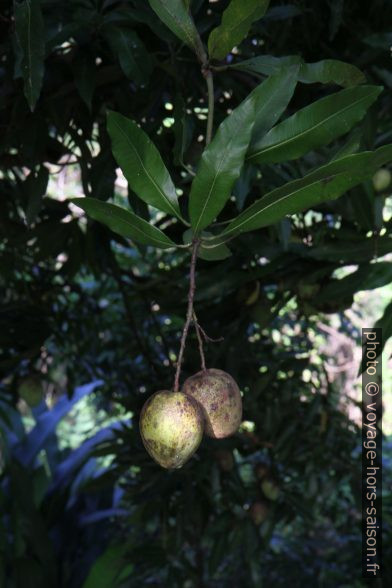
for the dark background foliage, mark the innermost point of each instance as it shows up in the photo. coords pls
(100, 318)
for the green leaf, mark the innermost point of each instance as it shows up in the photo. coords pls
(84, 73)
(108, 567)
(380, 41)
(328, 182)
(236, 22)
(327, 71)
(35, 187)
(134, 60)
(214, 253)
(183, 129)
(274, 94)
(385, 322)
(176, 16)
(331, 71)
(30, 35)
(124, 223)
(222, 160)
(142, 164)
(266, 65)
(206, 251)
(368, 277)
(314, 126)
(344, 251)
(352, 144)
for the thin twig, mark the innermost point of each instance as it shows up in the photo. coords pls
(189, 313)
(200, 340)
(209, 339)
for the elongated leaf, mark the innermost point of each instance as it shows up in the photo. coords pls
(222, 160)
(344, 251)
(326, 183)
(236, 22)
(331, 71)
(124, 222)
(385, 322)
(183, 129)
(84, 70)
(327, 71)
(266, 65)
(368, 277)
(108, 567)
(176, 16)
(134, 60)
(29, 29)
(314, 126)
(142, 164)
(35, 186)
(380, 41)
(273, 96)
(205, 251)
(352, 144)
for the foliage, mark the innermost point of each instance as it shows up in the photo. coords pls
(93, 85)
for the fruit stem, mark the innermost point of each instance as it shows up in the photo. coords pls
(189, 313)
(200, 340)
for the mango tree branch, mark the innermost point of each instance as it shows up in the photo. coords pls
(189, 314)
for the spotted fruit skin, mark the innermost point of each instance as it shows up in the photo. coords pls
(220, 398)
(171, 426)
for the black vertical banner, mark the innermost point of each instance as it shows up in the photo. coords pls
(371, 453)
